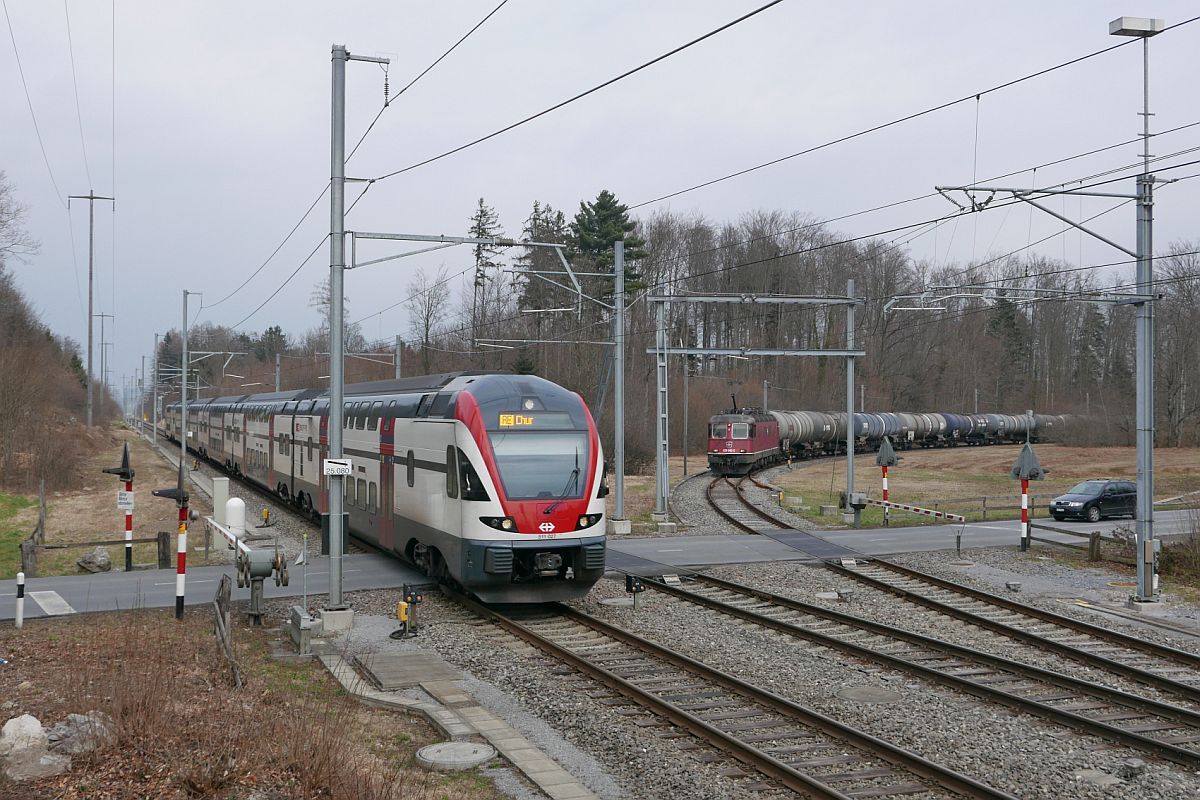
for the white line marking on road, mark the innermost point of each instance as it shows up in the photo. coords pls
(52, 603)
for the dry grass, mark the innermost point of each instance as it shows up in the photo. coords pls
(89, 512)
(182, 731)
(965, 474)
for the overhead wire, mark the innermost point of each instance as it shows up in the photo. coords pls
(582, 94)
(29, 101)
(900, 120)
(387, 104)
(75, 83)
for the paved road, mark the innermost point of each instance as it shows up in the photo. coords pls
(156, 588)
(111, 591)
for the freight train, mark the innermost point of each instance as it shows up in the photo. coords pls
(745, 439)
(493, 481)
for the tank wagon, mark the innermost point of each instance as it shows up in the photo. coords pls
(749, 438)
(493, 481)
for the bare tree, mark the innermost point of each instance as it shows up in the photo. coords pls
(427, 307)
(15, 241)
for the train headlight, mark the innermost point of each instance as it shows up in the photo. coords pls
(587, 521)
(499, 523)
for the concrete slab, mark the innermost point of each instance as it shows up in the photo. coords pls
(391, 671)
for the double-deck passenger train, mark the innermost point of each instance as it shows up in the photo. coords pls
(749, 438)
(492, 480)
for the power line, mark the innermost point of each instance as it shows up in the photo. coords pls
(387, 103)
(75, 83)
(581, 95)
(29, 102)
(899, 120)
(274, 252)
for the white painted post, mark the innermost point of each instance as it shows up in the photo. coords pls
(20, 619)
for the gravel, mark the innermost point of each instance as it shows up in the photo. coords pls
(616, 757)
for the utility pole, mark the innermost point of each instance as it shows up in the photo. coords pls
(399, 351)
(620, 525)
(91, 197)
(154, 397)
(277, 371)
(337, 268)
(103, 362)
(850, 426)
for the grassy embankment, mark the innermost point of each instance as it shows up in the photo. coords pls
(18, 515)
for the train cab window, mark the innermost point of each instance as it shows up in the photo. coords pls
(468, 479)
(451, 472)
(719, 430)
(373, 498)
(740, 430)
(373, 420)
(362, 493)
(411, 464)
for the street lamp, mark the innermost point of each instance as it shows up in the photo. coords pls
(1147, 589)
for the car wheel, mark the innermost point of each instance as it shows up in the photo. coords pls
(1093, 514)
(1059, 517)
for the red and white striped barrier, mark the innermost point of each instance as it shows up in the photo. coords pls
(915, 510)
(20, 618)
(181, 564)
(886, 510)
(1026, 532)
(129, 531)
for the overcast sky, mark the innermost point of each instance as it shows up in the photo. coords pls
(220, 137)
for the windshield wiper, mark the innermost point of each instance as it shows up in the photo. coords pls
(572, 482)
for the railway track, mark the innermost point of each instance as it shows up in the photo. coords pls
(1167, 669)
(727, 500)
(787, 745)
(1154, 727)
(1171, 671)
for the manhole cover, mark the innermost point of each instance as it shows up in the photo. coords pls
(869, 694)
(622, 602)
(450, 756)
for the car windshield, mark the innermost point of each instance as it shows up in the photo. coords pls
(1087, 487)
(541, 466)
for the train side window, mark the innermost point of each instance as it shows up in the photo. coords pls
(360, 416)
(310, 448)
(347, 415)
(451, 472)
(412, 468)
(740, 430)
(362, 493)
(373, 502)
(468, 480)
(373, 421)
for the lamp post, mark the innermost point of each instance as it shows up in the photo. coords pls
(1147, 588)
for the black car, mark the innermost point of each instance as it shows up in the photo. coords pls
(1093, 500)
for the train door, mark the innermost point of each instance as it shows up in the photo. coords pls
(289, 420)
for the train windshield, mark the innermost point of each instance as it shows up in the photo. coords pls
(719, 430)
(741, 430)
(541, 465)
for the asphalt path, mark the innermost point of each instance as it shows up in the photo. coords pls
(112, 591)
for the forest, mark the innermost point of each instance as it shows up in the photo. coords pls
(511, 308)
(994, 351)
